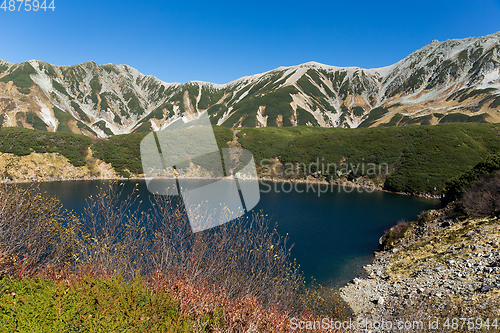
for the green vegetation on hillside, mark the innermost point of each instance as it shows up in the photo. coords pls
(420, 158)
(3, 67)
(102, 125)
(83, 116)
(277, 103)
(35, 121)
(20, 76)
(133, 103)
(394, 120)
(456, 185)
(400, 120)
(59, 87)
(22, 141)
(495, 103)
(374, 114)
(460, 118)
(122, 152)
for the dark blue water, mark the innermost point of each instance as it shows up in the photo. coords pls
(334, 232)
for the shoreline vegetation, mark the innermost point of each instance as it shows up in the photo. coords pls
(416, 160)
(110, 267)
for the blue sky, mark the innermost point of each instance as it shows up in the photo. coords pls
(219, 41)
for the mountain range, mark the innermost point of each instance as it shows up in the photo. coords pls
(456, 80)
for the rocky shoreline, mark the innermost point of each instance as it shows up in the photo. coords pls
(444, 266)
(108, 176)
(48, 167)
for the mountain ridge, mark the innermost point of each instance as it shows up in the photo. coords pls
(453, 80)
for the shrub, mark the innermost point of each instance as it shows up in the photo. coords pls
(113, 236)
(121, 151)
(394, 234)
(235, 277)
(482, 197)
(455, 187)
(32, 235)
(22, 141)
(245, 257)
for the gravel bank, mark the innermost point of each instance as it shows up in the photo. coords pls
(446, 266)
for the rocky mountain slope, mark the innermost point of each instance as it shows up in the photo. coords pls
(450, 81)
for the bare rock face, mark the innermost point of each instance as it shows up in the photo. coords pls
(52, 167)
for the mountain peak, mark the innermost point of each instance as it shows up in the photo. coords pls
(453, 80)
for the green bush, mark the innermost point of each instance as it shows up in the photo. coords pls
(32, 234)
(455, 187)
(394, 234)
(22, 141)
(121, 151)
(482, 198)
(88, 304)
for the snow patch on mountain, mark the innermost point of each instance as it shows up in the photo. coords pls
(225, 116)
(245, 93)
(296, 75)
(382, 71)
(261, 118)
(491, 80)
(47, 116)
(42, 80)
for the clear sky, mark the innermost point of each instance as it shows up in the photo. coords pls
(219, 41)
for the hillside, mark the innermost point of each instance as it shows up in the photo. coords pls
(450, 81)
(418, 159)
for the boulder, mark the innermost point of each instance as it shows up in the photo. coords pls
(487, 288)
